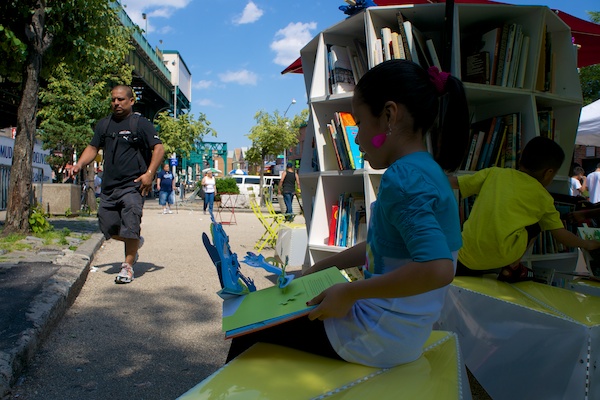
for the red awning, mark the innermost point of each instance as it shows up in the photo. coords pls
(586, 34)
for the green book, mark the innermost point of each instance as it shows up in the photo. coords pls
(272, 306)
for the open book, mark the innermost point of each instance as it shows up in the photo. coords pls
(271, 306)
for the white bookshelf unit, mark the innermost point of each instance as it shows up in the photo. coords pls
(320, 189)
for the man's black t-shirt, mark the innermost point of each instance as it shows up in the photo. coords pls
(123, 160)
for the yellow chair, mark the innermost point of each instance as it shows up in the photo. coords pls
(271, 225)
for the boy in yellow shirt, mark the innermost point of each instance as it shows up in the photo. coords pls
(512, 208)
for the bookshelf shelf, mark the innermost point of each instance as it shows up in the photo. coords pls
(562, 95)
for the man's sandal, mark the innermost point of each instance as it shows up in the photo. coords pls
(126, 274)
(520, 273)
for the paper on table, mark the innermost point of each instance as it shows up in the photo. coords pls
(273, 305)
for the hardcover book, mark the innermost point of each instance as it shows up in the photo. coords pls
(271, 306)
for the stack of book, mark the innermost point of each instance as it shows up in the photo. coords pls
(499, 57)
(405, 42)
(342, 131)
(495, 142)
(348, 223)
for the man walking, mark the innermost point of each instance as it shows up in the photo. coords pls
(132, 154)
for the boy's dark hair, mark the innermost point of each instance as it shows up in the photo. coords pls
(407, 83)
(541, 153)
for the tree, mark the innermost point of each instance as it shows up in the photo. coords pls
(179, 134)
(590, 76)
(36, 40)
(272, 135)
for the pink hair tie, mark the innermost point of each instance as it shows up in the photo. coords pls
(438, 78)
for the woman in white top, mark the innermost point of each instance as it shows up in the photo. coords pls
(210, 189)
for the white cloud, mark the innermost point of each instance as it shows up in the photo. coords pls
(289, 40)
(154, 10)
(241, 77)
(203, 84)
(207, 103)
(250, 14)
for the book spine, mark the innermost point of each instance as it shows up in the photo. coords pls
(477, 152)
(510, 43)
(334, 144)
(501, 55)
(333, 225)
(467, 163)
(386, 41)
(433, 54)
(520, 81)
(402, 33)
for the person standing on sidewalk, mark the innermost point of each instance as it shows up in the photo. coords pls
(287, 184)
(165, 182)
(209, 185)
(132, 153)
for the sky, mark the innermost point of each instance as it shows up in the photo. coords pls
(236, 50)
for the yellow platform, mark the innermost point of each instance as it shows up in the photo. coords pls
(270, 372)
(526, 340)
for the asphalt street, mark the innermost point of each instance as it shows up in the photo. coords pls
(154, 338)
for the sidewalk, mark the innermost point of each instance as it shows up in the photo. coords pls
(37, 288)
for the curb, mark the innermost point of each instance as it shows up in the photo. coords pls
(47, 308)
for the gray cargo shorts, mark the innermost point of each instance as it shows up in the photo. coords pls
(120, 213)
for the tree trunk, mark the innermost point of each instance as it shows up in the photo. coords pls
(19, 186)
(88, 174)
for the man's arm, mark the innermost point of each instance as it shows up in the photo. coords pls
(298, 181)
(158, 153)
(281, 182)
(88, 155)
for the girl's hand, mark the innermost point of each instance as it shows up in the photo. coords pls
(334, 302)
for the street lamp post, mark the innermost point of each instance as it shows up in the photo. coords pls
(285, 150)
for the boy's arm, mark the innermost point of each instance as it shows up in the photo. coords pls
(351, 257)
(453, 181)
(571, 240)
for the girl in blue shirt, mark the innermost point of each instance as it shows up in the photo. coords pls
(414, 230)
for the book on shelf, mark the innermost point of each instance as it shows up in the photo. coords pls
(272, 306)
(511, 148)
(340, 69)
(516, 54)
(467, 163)
(433, 54)
(386, 42)
(412, 45)
(397, 48)
(350, 131)
(333, 224)
(403, 36)
(422, 51)
(546, 122)
(361, 52)
(335, 144)
(541, 74)
(481, 136)
(490, 43)
(520, 78)
(501, 55)
(350, 225)
(477, 67)
(510, 44)
(486, 143)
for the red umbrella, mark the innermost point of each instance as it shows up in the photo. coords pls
(586, 34)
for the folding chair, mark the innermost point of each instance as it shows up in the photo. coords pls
(271, 225)
(188, 200)
(272, 212)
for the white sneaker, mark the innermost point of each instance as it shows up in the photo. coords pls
(169, 212)
(164, 211)
(126, 274)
